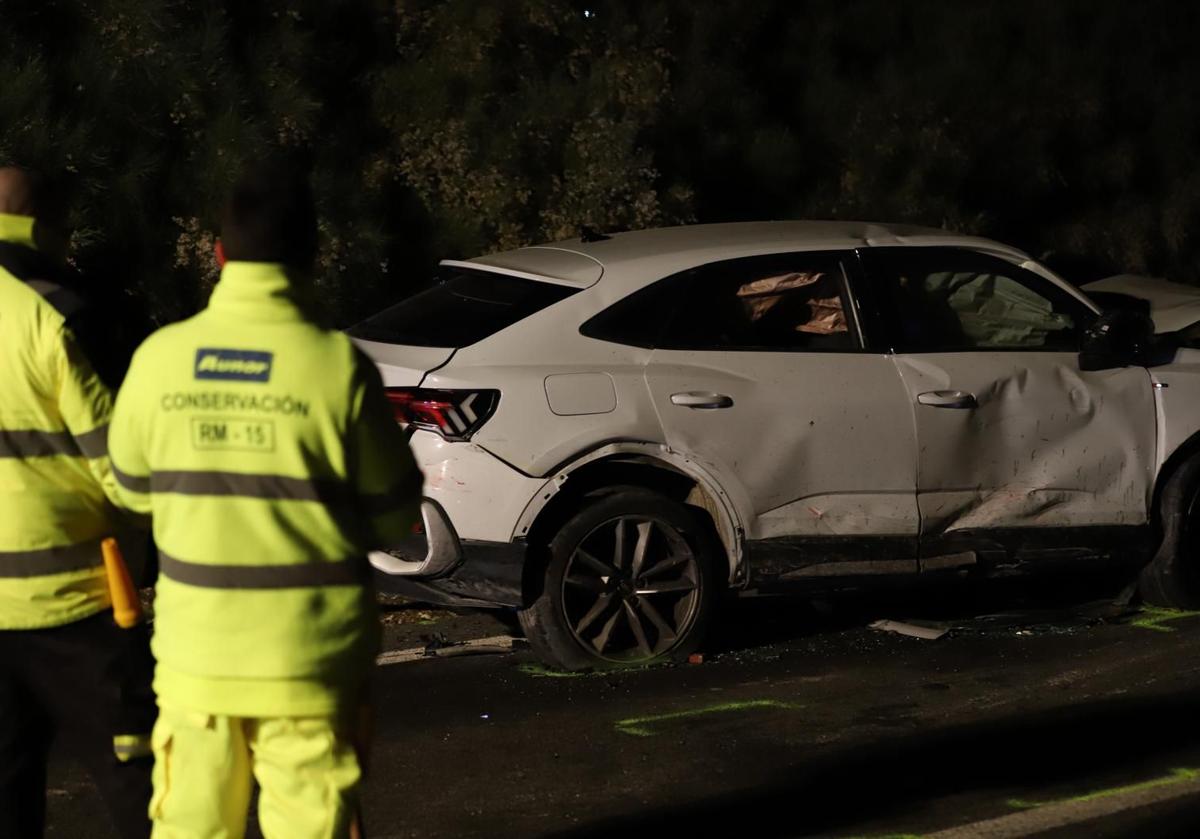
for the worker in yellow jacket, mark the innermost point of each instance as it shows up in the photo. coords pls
(66, 670)
(265, 450)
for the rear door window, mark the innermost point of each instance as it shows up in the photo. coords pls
(784, 302)
(462, 309)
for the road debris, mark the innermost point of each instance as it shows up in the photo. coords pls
(439, 646)
(913, 630)
(396, 610)
(436, 641)
(1050, 621)
(541, 671)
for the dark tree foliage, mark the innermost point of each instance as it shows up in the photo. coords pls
(445, 128)
(1069, 128)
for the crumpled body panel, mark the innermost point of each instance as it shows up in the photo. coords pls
(810, 444)
(1045, 445)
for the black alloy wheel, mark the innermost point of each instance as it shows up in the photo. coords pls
(1172, 577)
(628, 582)
(632, 588)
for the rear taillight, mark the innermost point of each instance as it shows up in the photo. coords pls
(454, 414)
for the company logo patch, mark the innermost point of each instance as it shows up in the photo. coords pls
(235, 365)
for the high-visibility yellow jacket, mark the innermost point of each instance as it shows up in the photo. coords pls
(55, 479)
(266, 452)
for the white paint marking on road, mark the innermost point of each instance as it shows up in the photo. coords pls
(476, 646)
(1069, 812)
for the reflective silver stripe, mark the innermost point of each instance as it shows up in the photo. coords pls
(93, 443)
(251, 486)
(244, 485)
(340, 573)
(131, 482)
(43, 287)
(23, 444)
(273, 487)
(65, 301)
(41, 563)
(36, 443)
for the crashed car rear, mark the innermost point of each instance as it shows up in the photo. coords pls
(616, 430)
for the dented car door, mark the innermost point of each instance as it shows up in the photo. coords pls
(759, 374)
(1010, 432)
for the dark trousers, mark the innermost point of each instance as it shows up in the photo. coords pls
(81, 684)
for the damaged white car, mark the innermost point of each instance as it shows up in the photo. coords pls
(615, 430)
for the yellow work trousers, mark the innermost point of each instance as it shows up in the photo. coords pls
(204, 767)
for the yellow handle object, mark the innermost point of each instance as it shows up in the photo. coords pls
(127, 609)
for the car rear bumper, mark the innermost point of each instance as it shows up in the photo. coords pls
(488, 578)
(439, 567)
(468, 554)
(482, 496)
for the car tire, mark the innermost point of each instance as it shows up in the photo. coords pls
(1172, 577)
(629, 580)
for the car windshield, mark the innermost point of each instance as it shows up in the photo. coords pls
(463, 308)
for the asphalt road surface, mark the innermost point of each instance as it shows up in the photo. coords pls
(1044, 710)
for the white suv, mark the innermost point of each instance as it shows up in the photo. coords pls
(616, 429)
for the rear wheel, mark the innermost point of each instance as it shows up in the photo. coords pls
(1172, 578)
(629, 580)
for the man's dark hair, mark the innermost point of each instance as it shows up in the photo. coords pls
(29, 192)
(270, 218)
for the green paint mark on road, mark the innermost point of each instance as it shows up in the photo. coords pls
(1176, 776)
(640, 726)
(1152, 617)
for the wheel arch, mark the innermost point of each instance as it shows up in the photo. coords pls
(1184, 452)
(647, 465)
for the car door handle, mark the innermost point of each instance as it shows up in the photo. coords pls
(948, 399)
(701, 401)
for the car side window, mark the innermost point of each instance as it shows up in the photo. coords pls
(792, 302)
(947, 300)
(784, 302)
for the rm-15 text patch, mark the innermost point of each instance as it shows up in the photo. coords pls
(236, 365)
(233, 433)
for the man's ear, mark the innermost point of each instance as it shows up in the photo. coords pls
(219, 253)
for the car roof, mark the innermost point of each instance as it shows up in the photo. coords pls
(659, 251)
